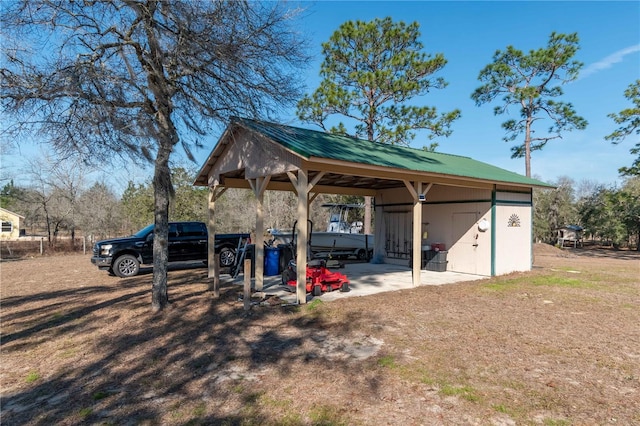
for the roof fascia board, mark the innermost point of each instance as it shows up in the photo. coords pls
(372, 171)
(401, 175)
(205, 172)
(288, 186)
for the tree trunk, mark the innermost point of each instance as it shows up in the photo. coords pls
(527, 148)
(162, 192)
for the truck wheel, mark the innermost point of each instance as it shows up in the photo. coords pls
(361, 254)
(317, 290)
(227, 257)
(126, 266)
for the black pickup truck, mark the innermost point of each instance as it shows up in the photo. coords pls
(187, 241)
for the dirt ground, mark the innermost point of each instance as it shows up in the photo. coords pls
(559, 345)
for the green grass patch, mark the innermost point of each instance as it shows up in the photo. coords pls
(290, 419)
(275, 403)
(100, 395)
(199, 410)
(416, 373)
(554, 280)
(501, 408)
(32, 376)
(85, 412)
(387, 361)
(314, 305)
(465, 392)
(327, 415)
(559, 281)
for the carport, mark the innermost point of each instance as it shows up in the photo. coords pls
(471, 204)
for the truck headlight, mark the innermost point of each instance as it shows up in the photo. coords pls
(105, 250)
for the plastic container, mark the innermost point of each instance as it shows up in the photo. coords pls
(434, 256)
(437, 266)
(272, 261)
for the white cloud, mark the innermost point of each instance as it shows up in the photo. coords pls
(609, 61)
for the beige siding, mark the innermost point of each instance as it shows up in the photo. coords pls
(513, 196)
(15, 221)
(456, 225)
(449, 216)
(258, 156)
(440, 193)
(513, 239)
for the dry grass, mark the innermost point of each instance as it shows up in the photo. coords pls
(558, 345)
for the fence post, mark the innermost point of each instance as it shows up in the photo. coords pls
(41, 246)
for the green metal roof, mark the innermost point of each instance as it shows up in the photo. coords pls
(312, 143)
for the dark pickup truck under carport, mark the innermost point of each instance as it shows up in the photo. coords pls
(187, 242)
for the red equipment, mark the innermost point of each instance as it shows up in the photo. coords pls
(319, 278)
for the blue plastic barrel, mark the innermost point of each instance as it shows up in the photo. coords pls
(271, 261)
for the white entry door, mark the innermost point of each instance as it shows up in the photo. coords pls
(463, 255)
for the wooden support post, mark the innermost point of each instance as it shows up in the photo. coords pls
(216, 276)
(417, 193)
(259, 185)
(302, 236)
(259, 243)
(213, 261)
(247, 284)
(211, 231)
(417, 236)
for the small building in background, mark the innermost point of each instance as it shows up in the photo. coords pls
(571, 234)
(12, 224)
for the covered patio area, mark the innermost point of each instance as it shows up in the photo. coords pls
(364, 279)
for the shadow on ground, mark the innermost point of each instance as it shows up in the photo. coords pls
(117, 356)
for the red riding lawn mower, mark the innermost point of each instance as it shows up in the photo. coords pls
(319, 278)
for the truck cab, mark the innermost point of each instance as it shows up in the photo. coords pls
(188, 241)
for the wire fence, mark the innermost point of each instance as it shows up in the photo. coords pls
(40, 246)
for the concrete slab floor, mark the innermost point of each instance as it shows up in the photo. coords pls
(364, 279)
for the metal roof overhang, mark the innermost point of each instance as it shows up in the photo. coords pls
(339, 176)
(348, 179)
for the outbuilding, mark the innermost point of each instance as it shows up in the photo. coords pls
(571, 234)
(12, 225)
(479, 214)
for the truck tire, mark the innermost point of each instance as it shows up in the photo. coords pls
(227, 257)
(126, 266)
(361, 254)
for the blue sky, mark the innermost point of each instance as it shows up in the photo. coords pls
(468, 34)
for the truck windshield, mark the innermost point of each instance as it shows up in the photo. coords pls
(144, 231)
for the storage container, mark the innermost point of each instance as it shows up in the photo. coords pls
(272, 261)
(437, 266)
